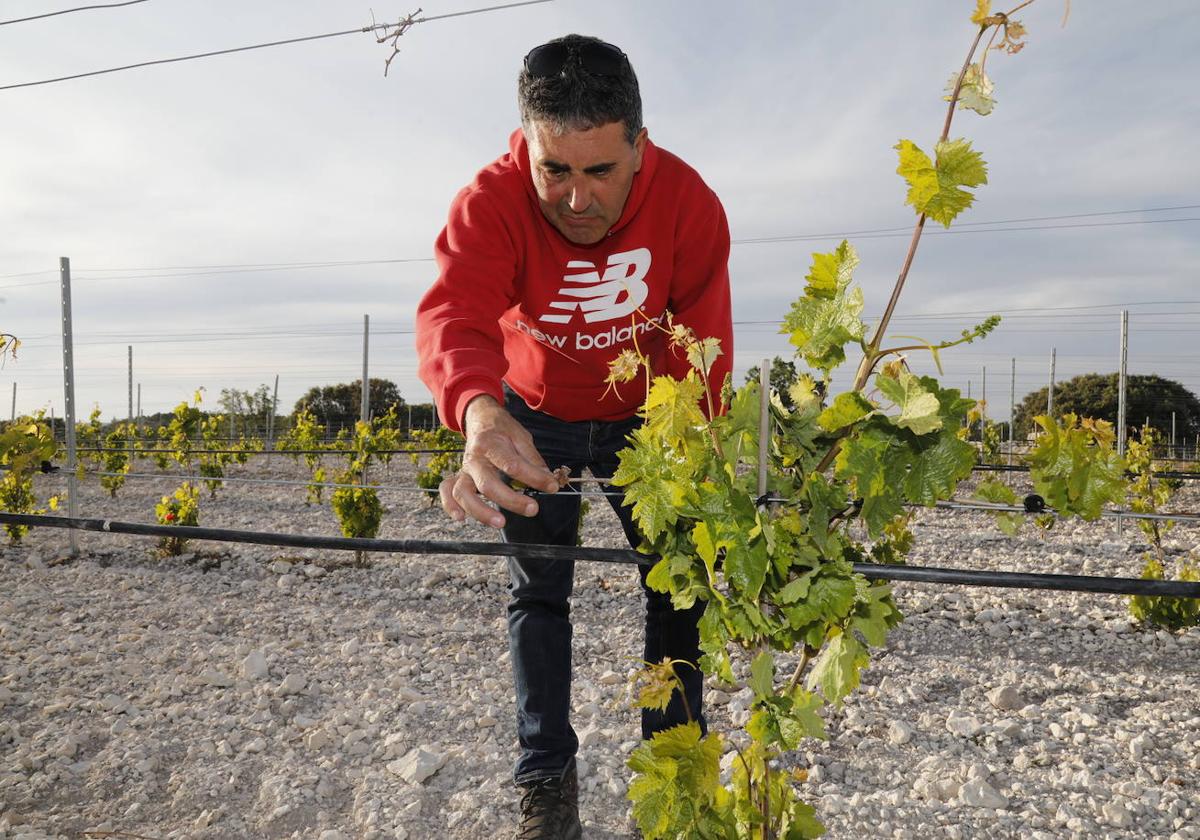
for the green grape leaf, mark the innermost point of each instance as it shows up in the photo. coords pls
(830, 599)
(738, 427)
(762, 675)
(935, 189)
(796, 589)
(825, 319)
(746, 565)
(831, 274)
(787, 720)
(826, 500)
(678, 774)
(657, 482)
(997, 492)
(836, 669)
(1075, 467)
(875, 459)
(875, 615)
(659, 576)
(938, 462)
(847, 408)
(715, 661)
(919, 409)
(804, 824)
(672, 407)
(652, 792)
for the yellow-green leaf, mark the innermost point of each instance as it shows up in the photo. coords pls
(936, 188)
(919, 409)
(847, 408)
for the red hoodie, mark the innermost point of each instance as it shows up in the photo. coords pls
(516, 301)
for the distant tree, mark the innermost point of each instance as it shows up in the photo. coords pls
(423, 416)
(1095, 395)
(782, 375)
(251, 408)
(337, 406)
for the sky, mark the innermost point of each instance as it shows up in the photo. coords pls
(233, 218)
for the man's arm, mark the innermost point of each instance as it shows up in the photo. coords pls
(462, 361)
(496, 443)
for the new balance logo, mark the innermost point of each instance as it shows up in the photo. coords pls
(617, 294)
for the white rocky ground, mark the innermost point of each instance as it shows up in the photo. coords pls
(257, 692)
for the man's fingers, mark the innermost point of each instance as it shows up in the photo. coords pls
(487, 479)
(446, 494)
(466, 495)
(520, 461)
(539, 475)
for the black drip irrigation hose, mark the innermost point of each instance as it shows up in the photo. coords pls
(874, 571)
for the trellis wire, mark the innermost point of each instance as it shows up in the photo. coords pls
(1020, 468)
(912, 574)
(987, 507)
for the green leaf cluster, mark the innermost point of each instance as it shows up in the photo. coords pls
(1075, 466)
(677, 790)
(308, 436)
(24, 444)
(889, 463)
(997, 492)
(433, 467)
(827, 316)
(1164, 610)
(181, 508)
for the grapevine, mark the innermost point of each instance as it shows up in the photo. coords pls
(25, 445)
(306, 435)
(115, 462)
(437, 464)
(1148, 495)
(358, 509)
(180, 508)
(774, 568)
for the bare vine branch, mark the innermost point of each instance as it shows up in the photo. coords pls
(392, 33)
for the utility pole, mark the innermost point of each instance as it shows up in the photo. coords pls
(364, 413)
(1122, 381)
(1050, 390)
(64, 264)
(14, 404)
(274, 411)
(1012, 402)
(130, 383)
(983, 401)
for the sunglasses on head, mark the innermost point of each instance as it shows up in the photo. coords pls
(595, 57)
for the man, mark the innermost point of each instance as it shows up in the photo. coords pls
(560, 254)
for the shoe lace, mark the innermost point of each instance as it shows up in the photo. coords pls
(541, 808)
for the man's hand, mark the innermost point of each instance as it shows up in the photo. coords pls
(496, 443)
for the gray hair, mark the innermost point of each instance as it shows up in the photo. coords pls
(576, 100)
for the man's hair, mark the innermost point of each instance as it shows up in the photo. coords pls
(576, 100)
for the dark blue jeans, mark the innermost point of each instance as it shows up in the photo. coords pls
(539, 621)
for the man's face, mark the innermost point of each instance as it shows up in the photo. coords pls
(582, 178)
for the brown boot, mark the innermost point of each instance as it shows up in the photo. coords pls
(550, 808)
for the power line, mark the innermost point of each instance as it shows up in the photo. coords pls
(69, 11)
(235, 268)
(359, 31)
(908, 230)
(810, 238)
